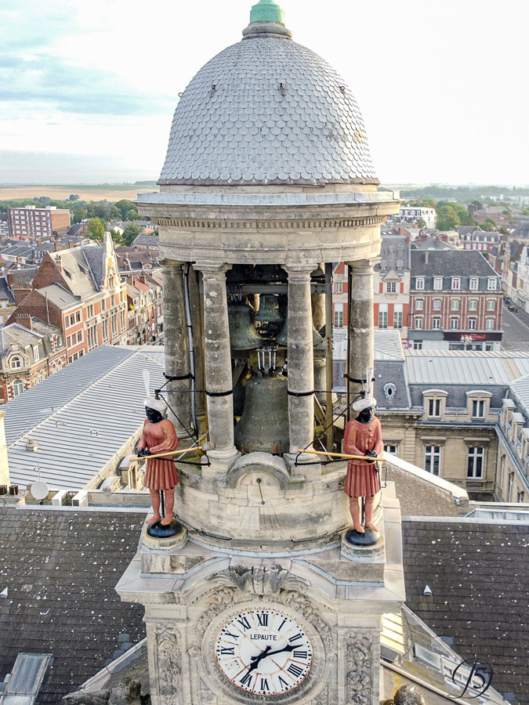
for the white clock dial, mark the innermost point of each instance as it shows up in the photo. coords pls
(264, 652)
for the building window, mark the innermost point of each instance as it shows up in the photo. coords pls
(114, 321)
(418, 322)
(92, 337)
(111, 282)
(454, 304)
(90, 311)
(338, 287)
(434, 408)
(478, 409)
(432, 459)
(103, 305)
(338, 315)
(382, 319)
(79, 336)
(436, 323)
(474, 284)
(471, 324)
(473, 305)
(456, 283)
(492, 284)
(16, 363)
(501, 472)
(417, 344)
(510, 486)
(489, 324)
(454, 323)
(18, 387)
(78, 317)
(437, 304)
(438, 283)
(36, 354)
(419, 283)
(419, 304)
(521, 497)
(392, 450)
(475, 462)
(397, 319)
(391, 287)
(491, 304)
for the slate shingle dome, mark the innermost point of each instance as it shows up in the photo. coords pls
(267, 111)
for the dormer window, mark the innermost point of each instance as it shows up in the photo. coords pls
(16, 363)
(434, 408)
(419, 283)
(438, 283)
(478, 409)
(474, 284)
(456, 283)
(492, 284)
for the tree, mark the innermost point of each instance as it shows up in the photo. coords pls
(487, 227)
(504, 231)
(79, 214)
(114, 213)
(96, 229)
(125, 206)
(421, 223)
(117, 237)
(132, 215)
(100, 212)
(130, 233)
(73, 197)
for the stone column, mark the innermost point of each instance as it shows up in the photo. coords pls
(177, 350)
(300, 358)
(198, 348)
(217, 356)
(361, 330)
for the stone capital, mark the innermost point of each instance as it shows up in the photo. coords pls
(299, 272)
(211, 269)
(363, 266)
(171, 263)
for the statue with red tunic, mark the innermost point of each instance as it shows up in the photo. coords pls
(161, 477)
(363, 437)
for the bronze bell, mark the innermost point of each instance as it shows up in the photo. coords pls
(264, 424)
(282, 338)
(269, 311)
(243, 335)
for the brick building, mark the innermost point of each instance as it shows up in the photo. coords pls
(392, 285)
(30, 221)
(455, 302)
(80, 291)
(144, 301)
(473, 238)
(30, 351)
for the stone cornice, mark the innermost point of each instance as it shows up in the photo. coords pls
(224, 224)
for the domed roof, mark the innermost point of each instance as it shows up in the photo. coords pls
(267, 111)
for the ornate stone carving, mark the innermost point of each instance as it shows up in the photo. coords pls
(169, 667)
(188, 223)
(256, 580)
(217, 602)
(359, 667)
(301, 604)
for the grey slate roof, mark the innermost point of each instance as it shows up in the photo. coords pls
(5, 292)
(146, 240)
(267, 110)
(58, 296)
(80, 417)
(60, 568)
(478, 573)
(451, 263)
(464, 367)
(394, 249)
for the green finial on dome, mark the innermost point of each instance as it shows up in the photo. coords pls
(267, 11)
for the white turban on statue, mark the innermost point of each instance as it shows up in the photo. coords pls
(366, 403)
(156, 404)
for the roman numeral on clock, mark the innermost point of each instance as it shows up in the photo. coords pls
(243, 621)
(233, 636)
(296, 671)
(284, 683)
(262, 618)
(264, 684)
(246, 679)
(300, 654)
(227, 651)
(281, 625)
(295, 637)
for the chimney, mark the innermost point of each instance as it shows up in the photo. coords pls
(24, 319)
(20, 293)
(70, 244)
(426, 257)
(58, 260)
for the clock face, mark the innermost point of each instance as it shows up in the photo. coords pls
(264, 652)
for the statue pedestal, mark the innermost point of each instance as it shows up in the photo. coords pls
(363, 548)
(164, 538)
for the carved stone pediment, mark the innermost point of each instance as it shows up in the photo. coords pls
(259, 580)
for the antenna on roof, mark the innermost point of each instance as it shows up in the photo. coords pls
(39, 489)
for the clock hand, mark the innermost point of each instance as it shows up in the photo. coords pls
(256, 659)
(279, 651)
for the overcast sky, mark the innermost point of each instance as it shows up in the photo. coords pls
(88, 87)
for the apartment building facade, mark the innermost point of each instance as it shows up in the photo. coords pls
(455, 301)
(32, 222)
(392, 285)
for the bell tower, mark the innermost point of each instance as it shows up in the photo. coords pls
(267, 181)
